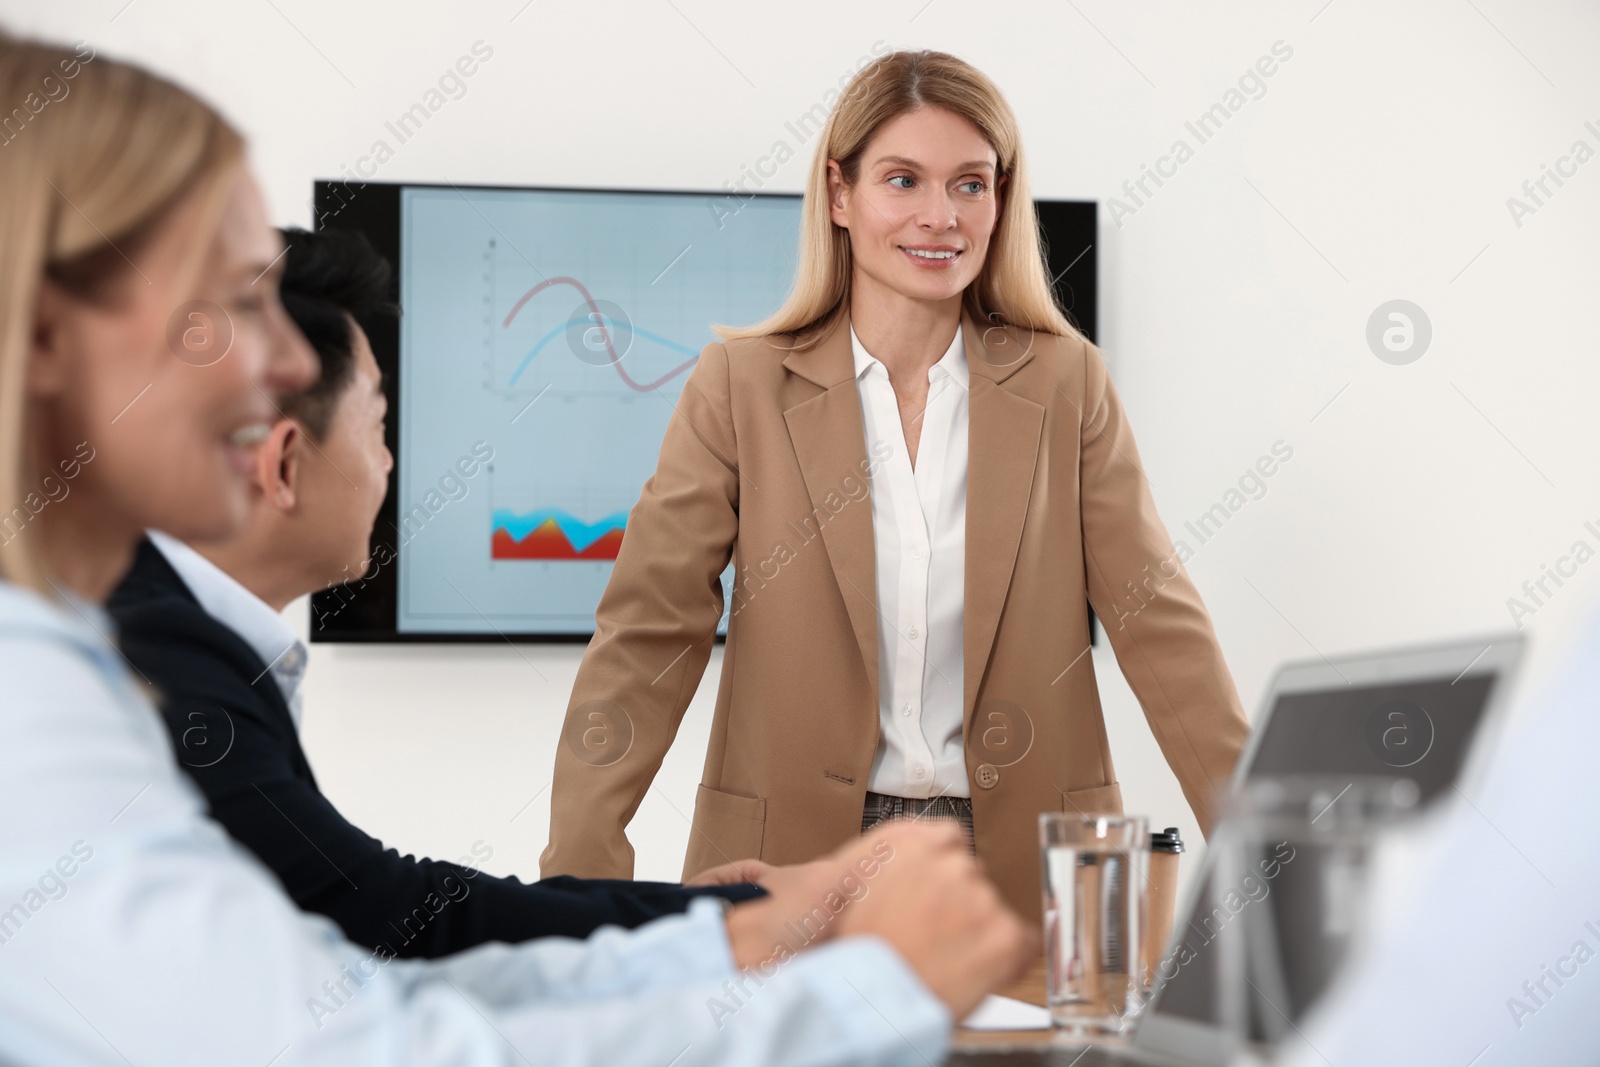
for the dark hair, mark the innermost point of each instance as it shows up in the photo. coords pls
(330, 277)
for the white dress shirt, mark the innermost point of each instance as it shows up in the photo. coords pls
(919, 538)
(134, 931)
(266, 631)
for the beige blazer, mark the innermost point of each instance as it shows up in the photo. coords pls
(765, 461)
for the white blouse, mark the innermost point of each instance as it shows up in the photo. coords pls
(919, 539)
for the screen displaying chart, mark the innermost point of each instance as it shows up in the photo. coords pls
(545, 339)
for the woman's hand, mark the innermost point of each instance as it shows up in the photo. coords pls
(735, 873)
(772, 879)
(912, 884)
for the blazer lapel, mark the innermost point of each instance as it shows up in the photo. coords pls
(830, 443)
(1002, 452)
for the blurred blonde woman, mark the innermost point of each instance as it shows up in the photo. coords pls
(142, 352)
(921, 472)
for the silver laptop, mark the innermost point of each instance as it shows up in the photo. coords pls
(1426, 713)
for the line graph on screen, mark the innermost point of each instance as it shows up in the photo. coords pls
(597, 338)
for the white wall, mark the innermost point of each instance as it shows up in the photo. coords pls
(1376, 165)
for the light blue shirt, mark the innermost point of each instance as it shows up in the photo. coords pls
(134, 931)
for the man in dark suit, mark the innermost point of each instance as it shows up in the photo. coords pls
(203, 626)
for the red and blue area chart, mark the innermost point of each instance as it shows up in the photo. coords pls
(550, 533)
(555, 329)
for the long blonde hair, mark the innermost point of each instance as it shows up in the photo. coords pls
(1013, 288)
(94, 157)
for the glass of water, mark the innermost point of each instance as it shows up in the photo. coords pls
(1095, 869)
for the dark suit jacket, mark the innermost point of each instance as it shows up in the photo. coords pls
(233, 734)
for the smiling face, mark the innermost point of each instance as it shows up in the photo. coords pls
(171, 377)
(924, 205)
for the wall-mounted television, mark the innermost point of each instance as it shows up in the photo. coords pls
(544, 337)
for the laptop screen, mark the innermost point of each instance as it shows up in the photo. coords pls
(1419, 729)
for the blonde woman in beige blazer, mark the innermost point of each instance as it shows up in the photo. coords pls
(921, 471)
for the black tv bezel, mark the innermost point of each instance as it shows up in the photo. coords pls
(366, 611)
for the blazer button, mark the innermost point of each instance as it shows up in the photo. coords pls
(986, 775)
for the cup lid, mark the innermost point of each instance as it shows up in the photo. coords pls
(1168, 840)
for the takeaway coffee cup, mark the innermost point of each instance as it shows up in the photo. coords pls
(1161, 898)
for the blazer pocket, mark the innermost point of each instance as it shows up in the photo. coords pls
(1096, 800)
(726, 827)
